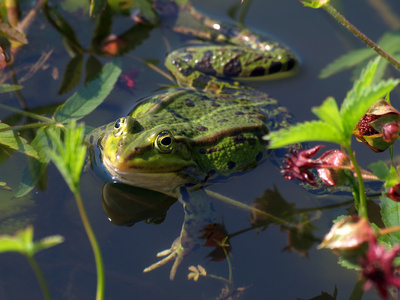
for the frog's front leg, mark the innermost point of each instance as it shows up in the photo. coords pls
(198, 213)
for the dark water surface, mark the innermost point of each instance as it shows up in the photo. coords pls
(259, 263)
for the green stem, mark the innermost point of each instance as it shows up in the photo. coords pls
(94, 244)
(27, 113)
(27, 126)
(341, 19)
(39, 276)
(361, 188)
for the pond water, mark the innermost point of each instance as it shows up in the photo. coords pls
(267, 264)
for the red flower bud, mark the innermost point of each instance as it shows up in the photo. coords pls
(333, 176)
(394, 192)
(380, 126)
(349, 238)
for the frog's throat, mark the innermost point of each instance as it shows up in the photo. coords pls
(167, 183)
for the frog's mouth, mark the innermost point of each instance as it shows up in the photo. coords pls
(164, 182)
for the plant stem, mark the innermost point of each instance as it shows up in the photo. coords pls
(332, 11)
(26, 113)
(39, 276)
(94, 244)
(389, 230)
(27, 126)
(361, 188)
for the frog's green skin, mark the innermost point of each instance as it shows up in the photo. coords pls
(187, 136)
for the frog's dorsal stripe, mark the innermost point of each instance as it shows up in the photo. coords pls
(214, 138)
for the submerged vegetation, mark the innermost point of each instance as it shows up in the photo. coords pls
(369, 247)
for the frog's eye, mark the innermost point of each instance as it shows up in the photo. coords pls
(164, 142)
(119, 126)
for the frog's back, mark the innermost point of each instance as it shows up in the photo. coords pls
(224, 130)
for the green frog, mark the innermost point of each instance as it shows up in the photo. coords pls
(209, 127)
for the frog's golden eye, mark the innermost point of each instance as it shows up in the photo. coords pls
(164, 142)
(119, 126)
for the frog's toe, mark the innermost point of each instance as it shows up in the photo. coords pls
(175, 253)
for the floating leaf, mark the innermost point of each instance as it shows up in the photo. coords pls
(72, 74)
(87, 98)
(11, 139)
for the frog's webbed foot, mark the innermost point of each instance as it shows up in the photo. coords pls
(175, 253)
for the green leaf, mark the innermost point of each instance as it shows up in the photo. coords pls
(5, 88)
(329, 113)
(96, 7)
(390, 211)
(308, 131)
(347, 61)
(393, 177)
(12, 140)
(87, 98)
(93, 68)
(69, 156)
(146, 8)
(345, 263)
(36, 168)
(72, 74)
(362, 96)
(356, 107)
(23, 243)
(380, 169)
(314, 3)
(12, 33)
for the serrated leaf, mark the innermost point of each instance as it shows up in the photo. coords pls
(72, 74)
(380, 169)
(347, 61)
(303, 132)
(362, 96)
(364, 81)
(5, 88)
(329, 112)
(87, 98)
(345, 263)
(12, 140)
(390, 211)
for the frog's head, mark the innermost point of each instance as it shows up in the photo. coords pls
(153, 158)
